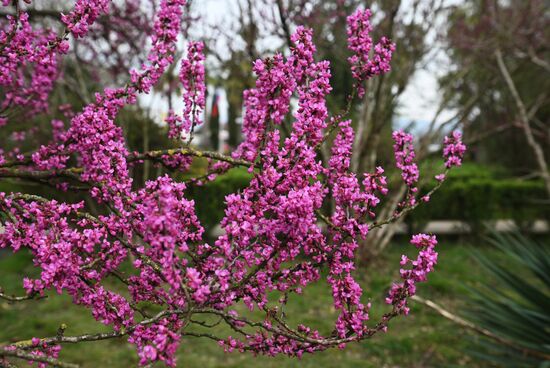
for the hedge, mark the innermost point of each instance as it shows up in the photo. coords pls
(210, 198)
(476, 200)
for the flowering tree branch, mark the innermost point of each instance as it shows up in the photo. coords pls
(272, 243)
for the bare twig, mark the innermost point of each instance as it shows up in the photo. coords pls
(480, 330)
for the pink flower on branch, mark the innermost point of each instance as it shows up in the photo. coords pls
(194, 90)
(364, 65)
(453, 149)
(418, 272)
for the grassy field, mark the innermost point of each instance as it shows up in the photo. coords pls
(422, 339)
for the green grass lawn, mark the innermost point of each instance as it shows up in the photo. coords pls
(422, 339)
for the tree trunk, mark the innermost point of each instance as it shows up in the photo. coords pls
(525, 125)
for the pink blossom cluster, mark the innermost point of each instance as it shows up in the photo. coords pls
(165, 32)
(194, 91)
(29, 59)
(84, 14)
(127, 28)
(405, 155)
(354, 207)
(453, 149)
(266, 104)
(418, 271)
(103, 156)
(28, 65)
(29, 56)
(363, 65)
(158, 342)
(347, 192)
(39, 350)
(176, 161)
(273, 244)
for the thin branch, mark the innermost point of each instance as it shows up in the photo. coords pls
(482, 331)
(188, 151)
(408, 209)
(13, 298)
(284, 22)
(51, 13)
(538, 61)
(21, 354)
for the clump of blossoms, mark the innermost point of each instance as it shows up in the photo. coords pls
(364, 65)
(403, 149)
(277, 237)
(418, 271)
(194, 91)
(453, 150)
(84, 14)
(28, 65)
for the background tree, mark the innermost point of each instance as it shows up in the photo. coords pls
(500, 50)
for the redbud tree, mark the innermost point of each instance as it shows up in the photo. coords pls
(276, 237)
